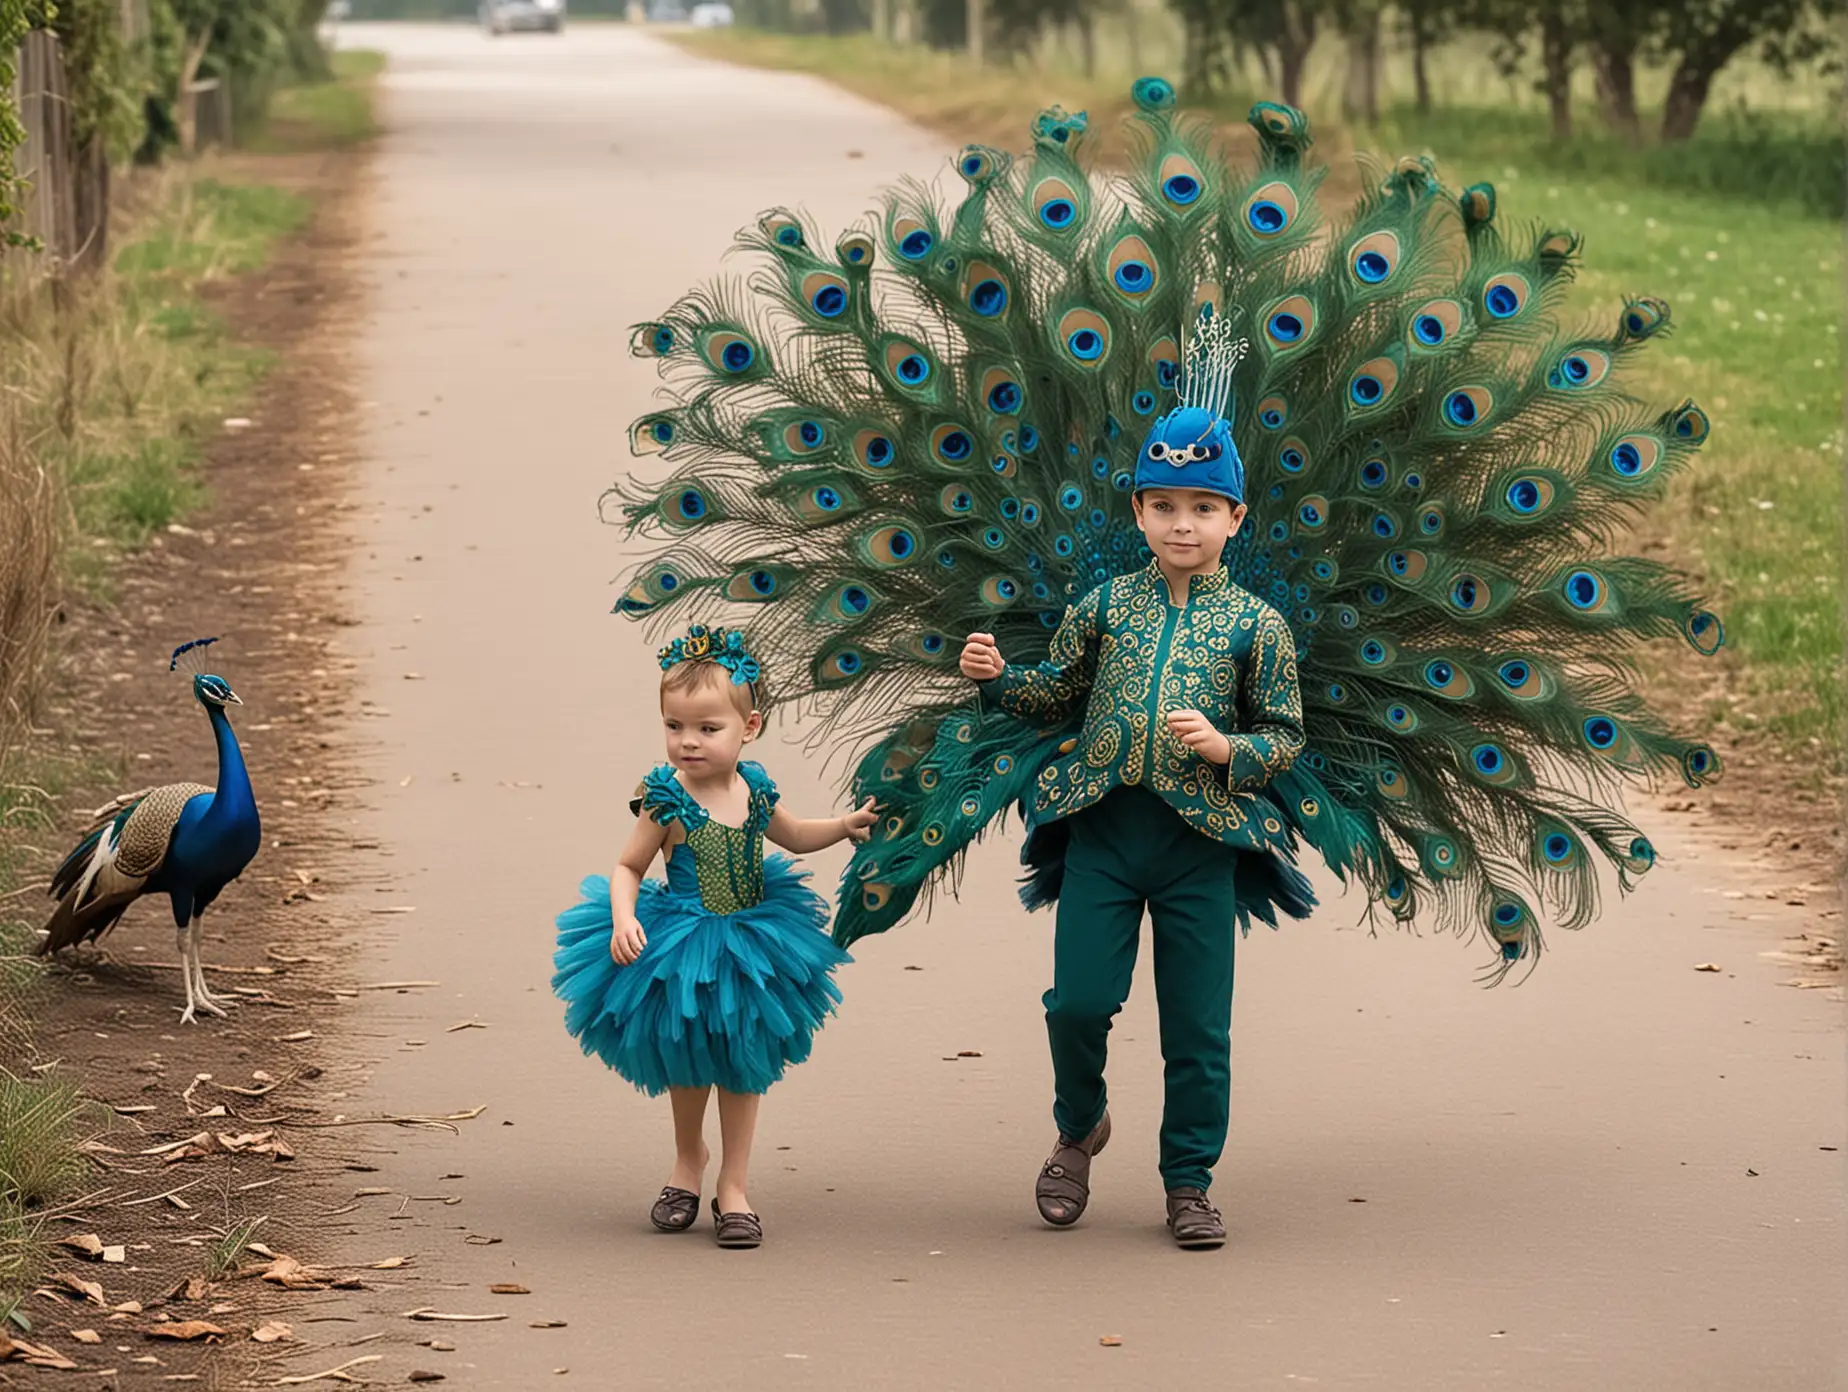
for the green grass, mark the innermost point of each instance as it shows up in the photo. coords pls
(1734, 229)
(42, 1123)
(324, 115)
(212, 229)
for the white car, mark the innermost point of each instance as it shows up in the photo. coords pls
(711, 15)
(505, 16)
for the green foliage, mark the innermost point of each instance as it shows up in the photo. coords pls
(105, 77)
(15, 19)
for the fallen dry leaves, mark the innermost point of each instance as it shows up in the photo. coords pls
(508, 1288)
(184, 1330)
(290, 1274)
(33, 1355)
(271, 1332)
(209, 1143)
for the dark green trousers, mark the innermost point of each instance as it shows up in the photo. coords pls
(1129, 852)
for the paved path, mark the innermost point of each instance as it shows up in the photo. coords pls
(1614, 1176)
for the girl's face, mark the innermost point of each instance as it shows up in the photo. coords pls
(1187, 528)
(705, 730)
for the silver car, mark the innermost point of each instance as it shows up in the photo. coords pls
(506, 16)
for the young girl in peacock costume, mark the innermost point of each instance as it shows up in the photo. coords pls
(719, 976)
(941, 427)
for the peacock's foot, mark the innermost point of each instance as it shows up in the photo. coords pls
(187, 1016)
(218, 1004)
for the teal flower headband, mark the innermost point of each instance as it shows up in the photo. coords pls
(723, 646)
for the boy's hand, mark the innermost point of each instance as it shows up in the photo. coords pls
(981, 659)
(1195, 731)
(627, 941)
(858, 824)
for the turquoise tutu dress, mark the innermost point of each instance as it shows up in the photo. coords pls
(738, 972)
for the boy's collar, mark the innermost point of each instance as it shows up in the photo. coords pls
(1196, 584)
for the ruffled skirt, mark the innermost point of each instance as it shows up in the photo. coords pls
(726, 999)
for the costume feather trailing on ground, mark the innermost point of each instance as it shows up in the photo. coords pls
(184, 840)
(932, 429)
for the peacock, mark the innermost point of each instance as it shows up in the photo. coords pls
(931, 428)
(184, 840)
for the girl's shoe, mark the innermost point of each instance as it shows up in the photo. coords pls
(1064, 1187)
(1193, 1220)
(736, 1229)
(675, 1210)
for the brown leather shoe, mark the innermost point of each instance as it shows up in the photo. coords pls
(1064, 1187)
(736, 1229)
(1193, 1220)
(675, 1210)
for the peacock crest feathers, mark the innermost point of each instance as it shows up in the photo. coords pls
(928, 426)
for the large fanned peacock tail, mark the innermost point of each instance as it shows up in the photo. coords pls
(932, 427)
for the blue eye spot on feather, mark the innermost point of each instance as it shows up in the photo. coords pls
(1705, 631)
(1460, 408)
(1029, 439)
(1506, 916)
(1100, 467)
(1070, 497)
(1504, 297)
(1123, 481)
(988, 298)
(810, 433)
(916, 245)
(1285, 327)
(1004, 400)
(826, 499)
(1429, 330)
(1087, 345)
(1557, 848)
(913, 370)
(1181, 189)
(1366, 389)
(1385, 526)
(947, 559)
(1600, 732)
(877, 452)
(1627, 459)
(1142, 403)
(1373, 474)
(1584, 590)
(1373, 652)
(663, 432)
(1698, 764)
(738, 356)
(1058, 214)
(1337, 693)
(1641, 852)
(1375, 594)
(856, 600)
(956, 446)
(1431, 523)
(1063, 546)
(1413, 482)
(1270, 419)
(1488, 759)
(663, 340)
(1310, 514)
(1267, 219)
(668, 581)
(994, 538)
(932, 643)
(763, 582)
(1133, 277)
(1010, 508)
(830, 301)
(1098, 518)
(1372, 267)
(1166, 373)
(1524, 496)
(1279, 531)
(691, 505)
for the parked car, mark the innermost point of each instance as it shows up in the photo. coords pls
(505, 16)
(712, 15)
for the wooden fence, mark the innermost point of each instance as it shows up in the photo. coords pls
(66, 204)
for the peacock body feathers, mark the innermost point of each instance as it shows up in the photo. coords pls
(931, 428)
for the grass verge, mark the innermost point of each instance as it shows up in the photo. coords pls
(1755, 284)
(111, 390)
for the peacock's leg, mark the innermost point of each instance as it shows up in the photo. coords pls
(207, 1001)
(207, 998)
(186, 1015)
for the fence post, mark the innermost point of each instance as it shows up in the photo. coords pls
(44, 159)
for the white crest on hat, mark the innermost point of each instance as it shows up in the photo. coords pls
(1212, 357)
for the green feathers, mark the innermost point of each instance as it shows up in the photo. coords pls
(930, 427)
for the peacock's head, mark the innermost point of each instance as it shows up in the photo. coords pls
(209, 690)
(1191, 447)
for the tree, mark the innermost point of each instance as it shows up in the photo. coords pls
(1425, 23)
(1281, 30)
(1703, 36)
(15, 19)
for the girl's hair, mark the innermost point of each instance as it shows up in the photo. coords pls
(698, 676)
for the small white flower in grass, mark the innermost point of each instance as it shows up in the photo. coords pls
(1760, 315)
(1713, 256)
(1649, 222)
(1817, 363)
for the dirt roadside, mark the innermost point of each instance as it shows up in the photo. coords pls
(259, 1094)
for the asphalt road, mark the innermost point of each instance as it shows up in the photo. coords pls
(1617, 1175)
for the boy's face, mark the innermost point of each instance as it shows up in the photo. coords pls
(1187, 528)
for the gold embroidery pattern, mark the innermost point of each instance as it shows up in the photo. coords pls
(1229, 655)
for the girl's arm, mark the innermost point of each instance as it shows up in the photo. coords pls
(626, 937)
(799, 836)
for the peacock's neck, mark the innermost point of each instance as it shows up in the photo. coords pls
(234, 798)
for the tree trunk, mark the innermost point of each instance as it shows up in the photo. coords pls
(976, 23)
(1360, 100)
(1087, 43)
(1421, 77)
(1556, 55)
(1615, 69)
(1693, 79)
(1293, 46)
(188, 106)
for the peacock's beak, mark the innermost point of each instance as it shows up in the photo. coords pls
(233, 698)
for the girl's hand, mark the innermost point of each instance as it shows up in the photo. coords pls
(981, 659)
(627, 941)
(857, 825)
(1195, 731)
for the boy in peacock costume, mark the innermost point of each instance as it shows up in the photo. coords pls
(881, 461)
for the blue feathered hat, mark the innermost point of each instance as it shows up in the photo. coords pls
(1191, 446)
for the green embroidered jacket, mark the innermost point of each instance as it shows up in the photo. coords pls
(1127, 657)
